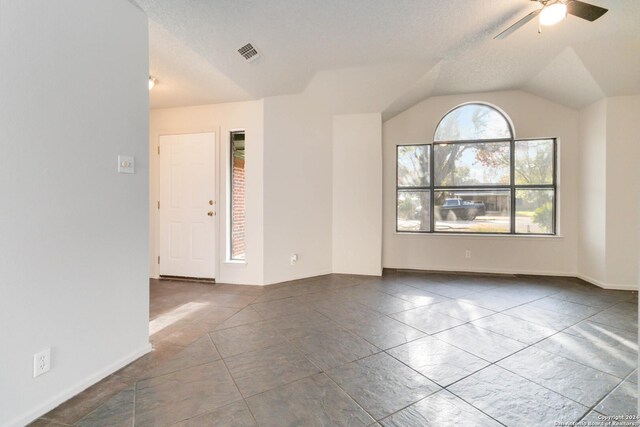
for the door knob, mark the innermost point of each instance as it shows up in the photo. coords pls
(210, 213)
(211, 202)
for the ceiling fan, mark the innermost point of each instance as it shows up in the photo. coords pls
(553, 11)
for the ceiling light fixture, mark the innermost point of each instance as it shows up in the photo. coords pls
(553, 13)
(152, 82)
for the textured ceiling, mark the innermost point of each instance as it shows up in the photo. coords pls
(382, 55)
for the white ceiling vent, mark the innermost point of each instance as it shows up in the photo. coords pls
(249, 53)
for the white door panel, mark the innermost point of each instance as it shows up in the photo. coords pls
(187, 185)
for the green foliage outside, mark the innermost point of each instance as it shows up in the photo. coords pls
(543, 216)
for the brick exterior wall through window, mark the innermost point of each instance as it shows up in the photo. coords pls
(237, 209)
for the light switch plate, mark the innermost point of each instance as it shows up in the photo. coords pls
(126, 164)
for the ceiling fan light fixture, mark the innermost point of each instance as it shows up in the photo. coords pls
(553, 13)
(152, 82)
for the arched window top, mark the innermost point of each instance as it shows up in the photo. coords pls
(473, 121)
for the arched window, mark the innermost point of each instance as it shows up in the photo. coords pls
(477, 178)
(473, 122)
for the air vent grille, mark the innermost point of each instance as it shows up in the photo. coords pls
(249, 52)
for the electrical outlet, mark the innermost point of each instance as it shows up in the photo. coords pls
(293, 259)
(41, 362)
(467, 254)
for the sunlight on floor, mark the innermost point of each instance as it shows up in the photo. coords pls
(173, 316)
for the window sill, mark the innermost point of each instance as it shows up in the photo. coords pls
(235, 263)
(484, 236)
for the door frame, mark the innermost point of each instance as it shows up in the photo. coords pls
(154, 194)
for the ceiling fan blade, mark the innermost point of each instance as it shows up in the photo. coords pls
(585, 10)
(517, 25)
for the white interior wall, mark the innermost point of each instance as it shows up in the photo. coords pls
(357, 194)
(532, 117)
(609, 200)
(221, 119)
(297, 189)
(73, 252)
(592, 159)
(623, 194)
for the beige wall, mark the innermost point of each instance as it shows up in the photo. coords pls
(623, 190)
(73, 245)
(609, 196)
(297, 189)
(592, 159)
(357, 194)
(221, 119)
(532, 117)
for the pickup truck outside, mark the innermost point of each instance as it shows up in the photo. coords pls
(458, 209)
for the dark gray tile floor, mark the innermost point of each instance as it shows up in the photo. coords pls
(406, 349)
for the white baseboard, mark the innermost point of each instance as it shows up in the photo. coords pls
(612, 286)
(490, 271)
(77, 388)
(297, 276)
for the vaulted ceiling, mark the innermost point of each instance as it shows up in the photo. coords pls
(385, 55)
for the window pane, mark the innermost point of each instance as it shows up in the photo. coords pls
(413, 210)
(473, 211)
(534, 211)
(413, 166)
(472, 164)
(473, 121)
(534, 162)
(237, 196)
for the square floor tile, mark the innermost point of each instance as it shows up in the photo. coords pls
(312, 401)
(381, 384)
(330, 348)
(427, 320)
(181, 333)
(461, 310)
(212, 316)
(245, 316)
(200, 352)
(383, 303)
(481, 342)
(174, 397)
(444, 289)
(245, 338)
(514, 328)
(345, 311)
(80, 405)
(117, 411)
(43, 422)
(519, 293)
(439, 410)
(418, 296)
(490, 302)
(597, 355)
(221, 299)
(542, 317)
(268, 368)
(515, 401)
(387, 286)
(605, 335)
(622, 401)
(279, 308)
(565, 307)
(591, 297)
(384, 332)
(300, 325)
(618, 317)
(234, 415)
(576, 381)
(437, 360)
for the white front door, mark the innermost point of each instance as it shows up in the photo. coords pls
(187, 205)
